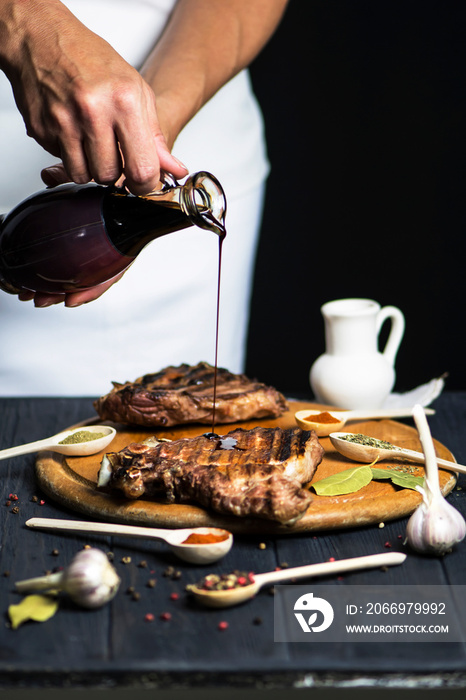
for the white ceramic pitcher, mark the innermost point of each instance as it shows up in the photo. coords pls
(353, 373)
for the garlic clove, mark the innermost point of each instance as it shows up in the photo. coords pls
(90, 580)
(435, 526)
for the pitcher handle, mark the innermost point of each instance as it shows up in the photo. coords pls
(396, 332)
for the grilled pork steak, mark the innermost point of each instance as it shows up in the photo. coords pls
(258, 472)
(184, 394)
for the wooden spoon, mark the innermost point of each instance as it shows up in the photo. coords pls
(234, 596)
(89, 447)
(304, 418)
(367, 453)
(204, 553)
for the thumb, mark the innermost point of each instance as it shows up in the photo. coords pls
(54, 175)
(168, 161)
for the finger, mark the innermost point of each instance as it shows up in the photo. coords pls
(54, 175)
(168, 162)
(103, 156)
(26, 296)
(73, 299)
(42, 299)
(73, 155)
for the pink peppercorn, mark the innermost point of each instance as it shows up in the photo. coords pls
(332, 559)
(174, 596)
(223, 625)
(165, 616)
(149, 617)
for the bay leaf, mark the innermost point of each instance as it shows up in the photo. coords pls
(33, 607)
(399, 478)
(347, 481)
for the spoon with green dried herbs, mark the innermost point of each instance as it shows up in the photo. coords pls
(232, 589)
(327, 421)
(85, 440)
(363, 448)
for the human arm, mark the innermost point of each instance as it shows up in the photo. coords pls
(205, 43)
(79, 99)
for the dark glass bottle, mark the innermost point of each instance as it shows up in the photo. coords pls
(73, 237)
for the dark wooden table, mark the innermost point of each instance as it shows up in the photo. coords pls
(116, 647)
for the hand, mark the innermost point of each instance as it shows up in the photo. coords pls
(82, 102)
(71, 299)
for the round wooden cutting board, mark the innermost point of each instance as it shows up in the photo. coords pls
(72, 481)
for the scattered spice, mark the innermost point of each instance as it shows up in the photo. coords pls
(126, 560)
(262, 545)
(361, 439)
(222, 582)
(81, 436)
(324, 417)
(149, 617)
(223, 625)
(143, 564)
(208, 538)
(151, 583)
(166, 616)
(174, 596)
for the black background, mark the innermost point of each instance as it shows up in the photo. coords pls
(364, 104)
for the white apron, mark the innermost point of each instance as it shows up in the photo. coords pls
(163, 310)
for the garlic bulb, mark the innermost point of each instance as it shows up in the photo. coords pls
(435, 526)
(90, 580)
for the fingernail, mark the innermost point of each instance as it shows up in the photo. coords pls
(182, 165)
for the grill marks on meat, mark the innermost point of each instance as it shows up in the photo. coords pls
(258, 472)
(184, 394)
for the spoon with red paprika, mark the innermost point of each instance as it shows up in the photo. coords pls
(198, 545)
(325, 421)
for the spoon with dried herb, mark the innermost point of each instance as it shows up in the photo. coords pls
(364, 448)
(222, 592)
(86, 440)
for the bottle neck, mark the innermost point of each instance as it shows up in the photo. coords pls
(132, 222)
